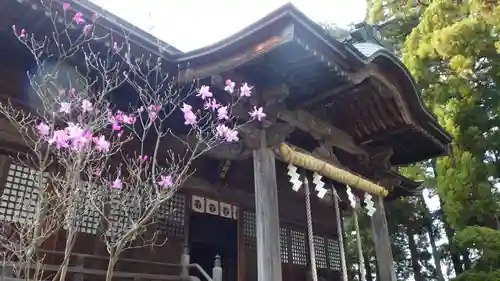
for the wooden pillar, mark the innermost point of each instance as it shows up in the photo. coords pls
(266, 212)
(382, 241)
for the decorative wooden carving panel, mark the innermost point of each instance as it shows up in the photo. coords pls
(284, 245)
(299, 256)
(18, 200)
(249, 231)
(333, 252)
(172, 216)
(320, 252)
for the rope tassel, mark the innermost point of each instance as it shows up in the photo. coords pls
(319, 185)
(369, 205)
(352, 198)
(294, 177)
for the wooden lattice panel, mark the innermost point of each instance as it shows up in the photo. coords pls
(320, 252)
(333, 252)
(85, 217)
(249, 231)
(172, 216)
(122, 213)
(18, 201)
(284, 245)
(299, 255)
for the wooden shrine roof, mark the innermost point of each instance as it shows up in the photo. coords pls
(359, 87)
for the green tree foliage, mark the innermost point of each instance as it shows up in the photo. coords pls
(452, 48)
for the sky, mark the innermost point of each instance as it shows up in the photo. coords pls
(191, 24)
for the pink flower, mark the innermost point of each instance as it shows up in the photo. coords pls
(115, 126)
(74, 131)
(78, 18)
(186, 108)
(21, 34)
(120, 134)
(154, 107)
(117, 184)
(189, 118)
(101, 144)
(65, 107)
(97, 172)
(86, 106)
(231, 135)
(140, 109)
(229, 86)
(72, 91)
(222, 113)
(43, 129)
(165, 181)
(143, 158)
(66, 6)
(211, 104)
(152, 115)
(115, 46)
(204, 92)
(221, 130)
(59, 139)
(245, 90)
(257, 113)
(130, 120)
(87, 28)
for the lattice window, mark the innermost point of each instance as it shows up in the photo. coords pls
(122, 213)
(320, 252)
(249, 231)
(171, 218)
(333, 252)
(284, 245)
(298, 247)
(18, 201)
(85, 218)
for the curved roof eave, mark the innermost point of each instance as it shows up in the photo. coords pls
(369, 52)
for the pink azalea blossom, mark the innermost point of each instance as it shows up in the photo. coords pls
(101, 144)
(43, 129)
(229, 86)
(221, 130)
(86, 106)
(21, 34)
(74, 131)
(232, 135)
(154, 107)
(152, 115)
(115, 46)
(66, 6)
(72, 91)
(186, 108)
(204, 92)
(87, 28)
(129, 120)
(245, 90)
(117, 184)
(78, 18)
(115, 126)
(143, 158)
(140, 109)
(189, 118)
(65, 107)
(211, 104)
(257, 113)
(97, 172)
(222, 113)
(165, 181)
(120, 134)
(59, 139)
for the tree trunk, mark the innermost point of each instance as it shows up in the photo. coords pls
(435, 254)
(414, 255)
(455, 257)
(466, 259)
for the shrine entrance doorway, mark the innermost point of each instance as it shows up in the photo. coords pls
(211, 235)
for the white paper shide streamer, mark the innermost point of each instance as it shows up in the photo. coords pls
(370, 209)
(351, 197)
(294, 177)
(319, 185)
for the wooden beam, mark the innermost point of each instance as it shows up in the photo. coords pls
(382, 241)
(266, 213)
(322, 131)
